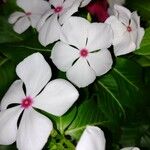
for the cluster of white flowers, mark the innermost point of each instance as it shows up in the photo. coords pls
(81, 51)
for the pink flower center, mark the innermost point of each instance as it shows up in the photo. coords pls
(26, 102)
(58, 9)
(129, 29)
(84, 53)
(28, 13)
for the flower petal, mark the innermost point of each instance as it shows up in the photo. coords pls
(22, 25)
(15, 16)
(118, 28)
(8, 125)
(14, 94)
(35, 73)
(123, 14)
(34, 20)
(56, 3)
(43, 19)
(92, 139)
(100, 35)
(141, 33)
(68, 12)
(57, 97)
(81, 74)
(34, 6)
(101, 62)
(74, 32)
(125, 46)
(34, 130)
(130, 148)
(50, 31)
(64, 55)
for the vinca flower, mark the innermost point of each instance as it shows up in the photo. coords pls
(127, 31)
(55, 97)
(92, 139)
(49, 26)
(82, 51)
(33, 10)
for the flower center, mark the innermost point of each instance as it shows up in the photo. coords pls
(84, 53)
(26, 102)
(28, 13)
(129, 29)
(58, 9)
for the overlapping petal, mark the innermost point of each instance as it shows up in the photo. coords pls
(22, 25)
(130, 148)
(101, 62)
(100, 35)
(64, 55)
(92, 139)
(34, 72)
(34, 130)
(75, 31)
(8, 125)
(14, 95)
(15, 16)
(34, 6)
(57, 97)
(50, 31)
(81, 74)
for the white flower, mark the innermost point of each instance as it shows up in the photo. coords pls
(112, 3)
(127, 31)
(130, 148)
(92, 139)
(55, 97)
(33, 10)
(49, 26)
(82, 51)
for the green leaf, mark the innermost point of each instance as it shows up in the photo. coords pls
(143, 7)
(145, 45)
(120, 89)
(88, 114)
(7, 74)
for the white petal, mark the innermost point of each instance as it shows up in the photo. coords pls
(50, 31)
(34, 20)
(68, 12)
(58, 96)
(141, 33)
(100, 35)
(123, 14)
(74, 32)
(125, 46)
(81, 74)
(56, 3)
(33, 6)
(130, 148)
(101, 62)
(85, 2)
(15, 94)
(68, 3)
(22, 25)
(34, 130)
(15, 16)
(43, 19)
(64, 55)
(35, 73)
(118, 28)
(92, 139)
(8, 125)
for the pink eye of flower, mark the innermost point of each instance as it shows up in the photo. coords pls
(26, 102)
(129, 29)
(58, 9)
(84, 53)
(28, 13)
